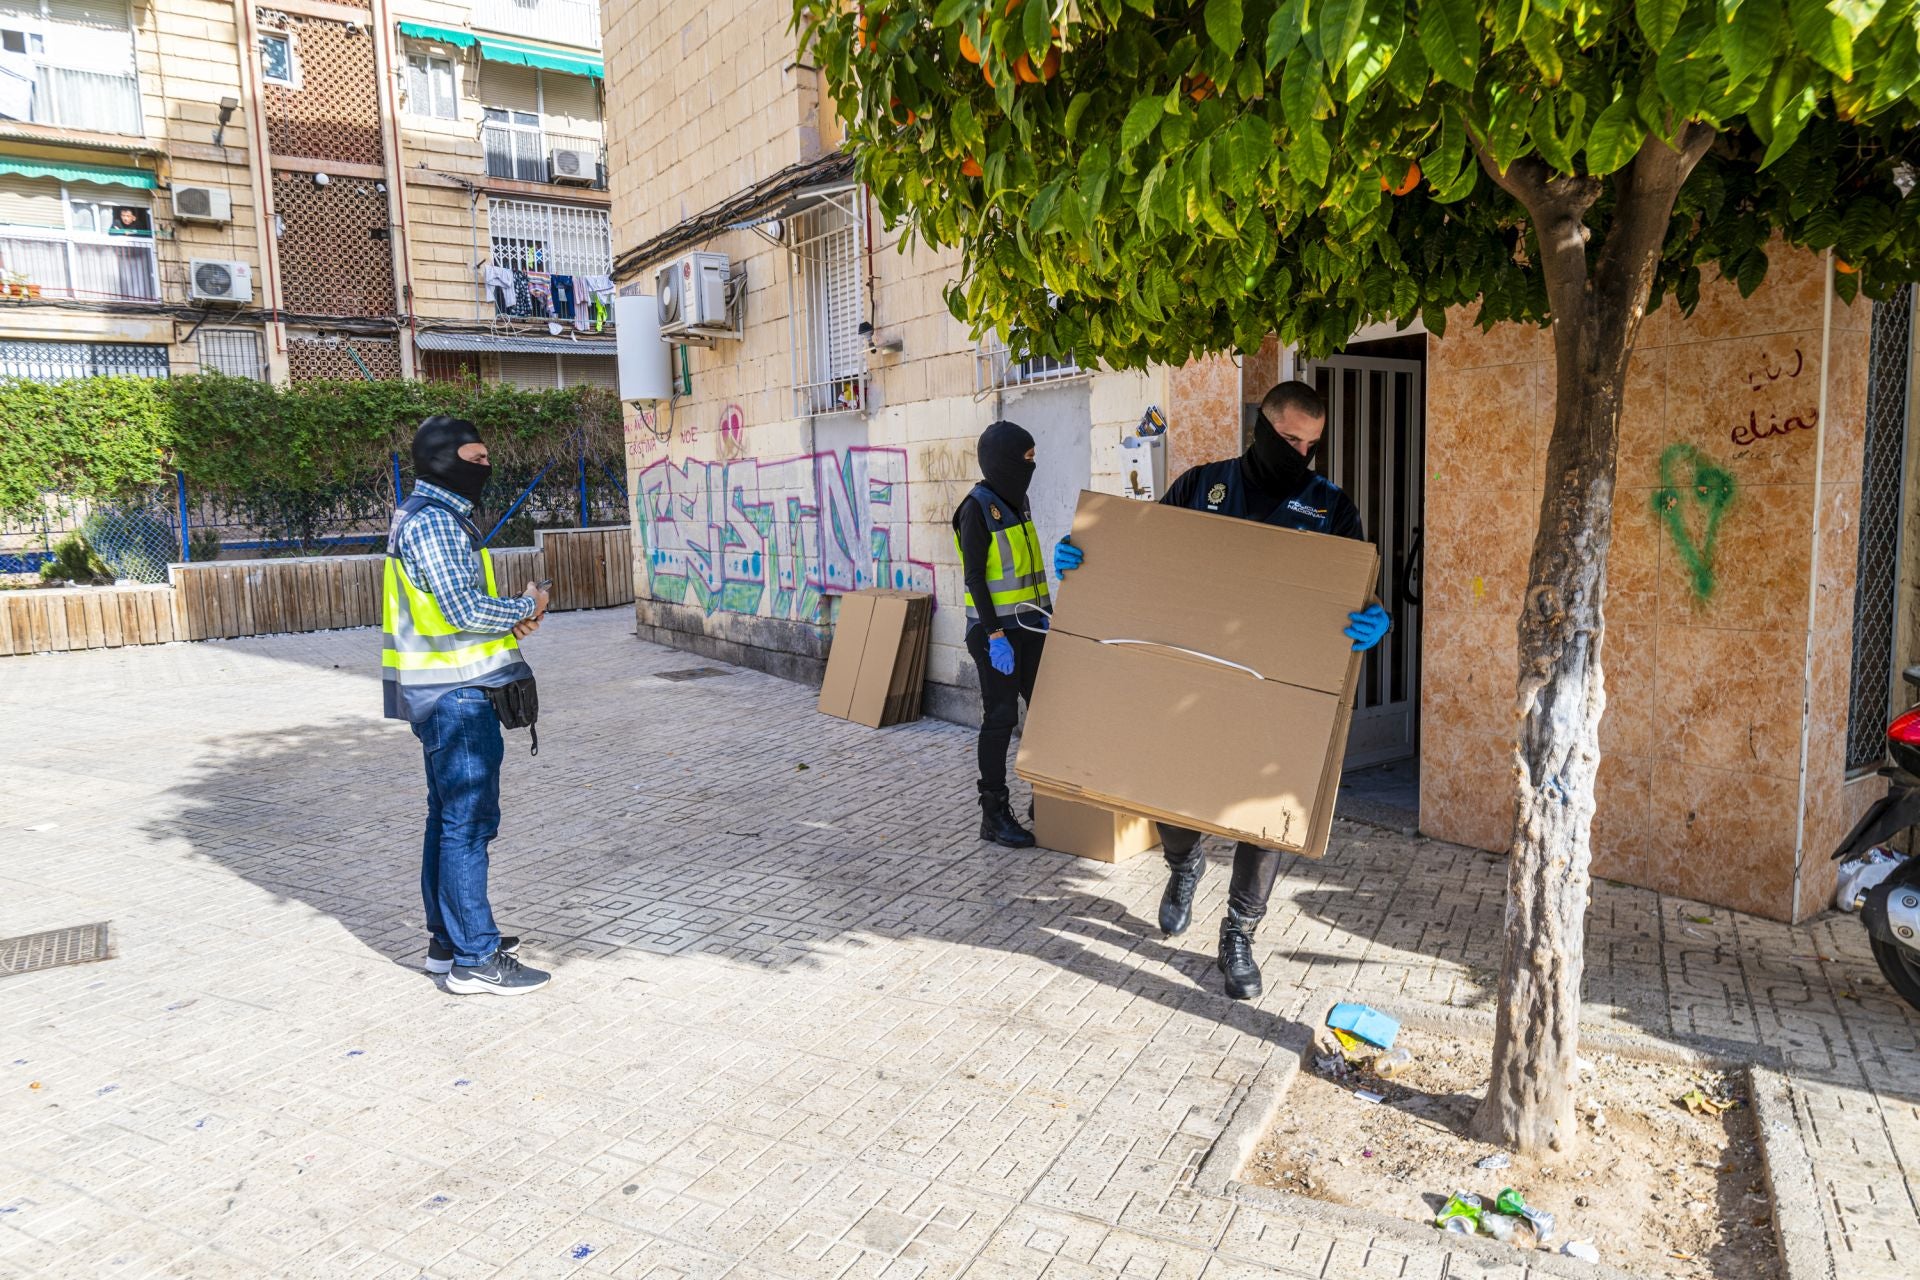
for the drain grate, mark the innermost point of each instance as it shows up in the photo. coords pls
(80, 944)
(695, 673)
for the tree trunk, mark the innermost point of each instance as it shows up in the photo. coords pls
(1530, 1099)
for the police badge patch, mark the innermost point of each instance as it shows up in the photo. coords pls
(1217, 494)
(993, 511)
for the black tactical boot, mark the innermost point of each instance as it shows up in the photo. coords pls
(1176, 904)
(997, 823)
(1236, 956)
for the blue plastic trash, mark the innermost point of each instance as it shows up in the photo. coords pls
(1371, 1025)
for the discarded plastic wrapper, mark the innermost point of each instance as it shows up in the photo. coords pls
(1351, 1046)
(1461, 1206)
(1368, 1095)
(1371, 1025)
(1498, 1160)
(1501, 1226)
(1580, 1249)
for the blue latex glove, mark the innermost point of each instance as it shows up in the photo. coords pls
(1000, 655)
(1367, 627)
(1066, 556)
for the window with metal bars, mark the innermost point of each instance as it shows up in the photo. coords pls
(830, 352)
(58, 361)
(529, 235)
(234, 352)
(1876, 584)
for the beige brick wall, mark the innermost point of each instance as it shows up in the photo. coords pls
(726, 479)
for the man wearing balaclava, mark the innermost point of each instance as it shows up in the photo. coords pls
(1272, 483)
(449, 639)
(1007, 609)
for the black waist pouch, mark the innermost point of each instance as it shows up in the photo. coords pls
(518, 706)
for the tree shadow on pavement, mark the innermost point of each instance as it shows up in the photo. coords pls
(591, 864)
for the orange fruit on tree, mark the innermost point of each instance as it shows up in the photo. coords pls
(1023, 70)
(968, 50)
(911, 115)
(1407, 183)
(1050, 65)
(1200, 88)
(971, 167)
(1844, 267)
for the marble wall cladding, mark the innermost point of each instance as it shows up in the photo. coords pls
(1203, 413)
(1722, 617)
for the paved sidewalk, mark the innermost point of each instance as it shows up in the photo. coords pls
(803, 1024)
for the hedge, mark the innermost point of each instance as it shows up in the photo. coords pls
(102, 439)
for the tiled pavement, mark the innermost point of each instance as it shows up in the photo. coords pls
(803, 1025)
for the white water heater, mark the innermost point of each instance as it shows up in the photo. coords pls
(645, 360)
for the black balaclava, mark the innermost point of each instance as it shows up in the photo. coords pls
(1275, 467)
(1003, 461)
(436, 457)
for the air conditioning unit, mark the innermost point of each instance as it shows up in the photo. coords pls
(202, 204)
(693, 296)
(214, 280)
(571, 164)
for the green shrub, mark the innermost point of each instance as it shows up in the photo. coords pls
(75, 561)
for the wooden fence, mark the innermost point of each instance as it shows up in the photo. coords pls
(226, 599)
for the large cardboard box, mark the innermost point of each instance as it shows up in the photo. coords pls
(1066, 826)
(877, 667)
(1196, 673)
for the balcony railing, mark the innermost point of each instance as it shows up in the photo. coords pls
(73, 98)
(87, 269)
(574, 22)
(526, 155)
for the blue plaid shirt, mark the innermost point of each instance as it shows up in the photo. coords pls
(442, 561)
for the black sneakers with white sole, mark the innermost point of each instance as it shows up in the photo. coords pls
(501, 975)
(440, 959)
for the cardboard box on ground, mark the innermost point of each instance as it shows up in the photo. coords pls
(1196, 673)
(1066, 826)
(877, 667)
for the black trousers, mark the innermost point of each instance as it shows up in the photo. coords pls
(999, 698)
(1255, 870)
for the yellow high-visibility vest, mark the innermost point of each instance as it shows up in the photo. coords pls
(1016, 571)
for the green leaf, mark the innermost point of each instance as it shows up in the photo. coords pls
(1036, 24)
(1507, 129)
(1508, 18)
(1865, 224)
(1374, 48)
(1750, 39)
(1751, 271)
(1450, 35)
(1283, 33)
(1075, 110)
(1143, 117)
(1434, 316)
(1826, 37)
(1783, 110)
(1685, 69)
(1310, 155)
(1547, 140)
(1248, 145)
(1300, 89)
(1340, 26)
(951, 11)
(1857, 13)
(1616, 136)
(1659, 19)
(1541, 40)
(1223, 23)
(1150, 188)
(1408, 72)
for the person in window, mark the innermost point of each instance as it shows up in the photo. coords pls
(129, 220)
(1272, 483)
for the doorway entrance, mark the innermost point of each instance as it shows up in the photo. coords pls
(1373, 449)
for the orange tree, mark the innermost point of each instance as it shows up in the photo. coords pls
(1149, 180)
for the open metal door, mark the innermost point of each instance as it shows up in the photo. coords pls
(1376, 427)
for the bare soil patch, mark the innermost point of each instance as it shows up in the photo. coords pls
(1656, 1188)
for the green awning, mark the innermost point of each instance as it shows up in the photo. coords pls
(444, 35)
(105, 175)
(520, 54)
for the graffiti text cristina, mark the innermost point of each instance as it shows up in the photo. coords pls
(771, 537)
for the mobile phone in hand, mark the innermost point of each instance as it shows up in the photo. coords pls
(545, 584)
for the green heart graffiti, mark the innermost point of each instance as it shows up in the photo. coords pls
(1712, 489)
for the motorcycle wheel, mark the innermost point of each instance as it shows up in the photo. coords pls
(1901, 968)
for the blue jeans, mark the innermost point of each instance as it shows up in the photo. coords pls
(463, 748)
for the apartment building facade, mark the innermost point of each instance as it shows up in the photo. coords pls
(819, 441)
(305, 189)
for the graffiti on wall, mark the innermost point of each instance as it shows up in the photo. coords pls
(733, 432)
(745, 535)
(1694, 494)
